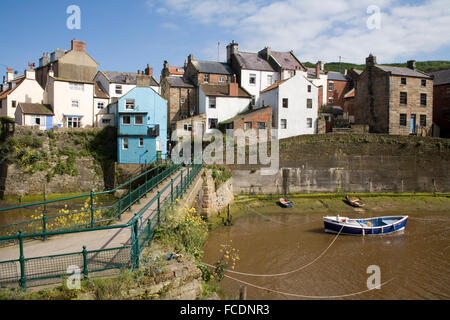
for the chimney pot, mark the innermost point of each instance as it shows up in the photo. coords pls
(78, 46)
(371, 60)
(412, 64)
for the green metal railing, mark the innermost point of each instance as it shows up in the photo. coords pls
(88, 217)
(23, 270)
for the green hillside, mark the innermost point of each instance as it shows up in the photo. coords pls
(426, 66)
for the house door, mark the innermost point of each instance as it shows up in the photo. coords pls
(412, 128)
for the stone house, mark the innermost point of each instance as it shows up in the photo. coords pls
(181, 95)
(207, 72)
(441, 103)
(394, 100)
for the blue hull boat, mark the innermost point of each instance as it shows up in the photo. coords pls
(381, 225)
(286, 203)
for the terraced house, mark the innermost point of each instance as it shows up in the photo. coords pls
(394, 100)
(141, 122)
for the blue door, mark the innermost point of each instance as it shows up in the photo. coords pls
(412, 128)
(49, 122)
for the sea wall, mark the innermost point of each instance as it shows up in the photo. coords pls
(352, 163)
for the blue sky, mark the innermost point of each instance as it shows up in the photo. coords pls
(128, 35)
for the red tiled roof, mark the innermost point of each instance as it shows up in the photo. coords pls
(174, 70)
(7, 92)
(350, 94)
(275, 85)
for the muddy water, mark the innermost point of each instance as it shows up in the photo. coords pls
(414, 264)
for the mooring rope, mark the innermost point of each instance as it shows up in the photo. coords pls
(305, 296)
(284, 273)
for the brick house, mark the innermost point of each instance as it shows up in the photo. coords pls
(258, 119)
(441, 102)
(211, 72)
(181, 95)
(394, 100)
(338, 85)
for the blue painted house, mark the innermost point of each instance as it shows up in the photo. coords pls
(141, 120)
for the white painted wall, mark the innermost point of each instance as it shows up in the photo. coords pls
(60, 96)
(226, 107)
(261, 82)
(297, 113)
(29, 91)
(323, 81)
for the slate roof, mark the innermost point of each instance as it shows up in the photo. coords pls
(286, 60)
(119, 78)
(99, 93)
(312, 72)
(212, 67)
(36, 108)
(221, 90)
(337, 76)
(252, 61)
(179, 82)
(401, 71)
(441, 77)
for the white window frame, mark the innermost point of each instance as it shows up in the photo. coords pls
(73, 120)
(125, 143)
(285, 124)
(41, 121)
(331, 86)
(130, 104)
(309, 122)
(221, 79)
(141, 142)
(206, 78)
(269, 80)
(118, 88)
(77, 103)
(250, 77)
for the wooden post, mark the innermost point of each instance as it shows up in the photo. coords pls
(243, 293)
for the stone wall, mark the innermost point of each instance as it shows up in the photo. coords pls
(215, 200)
(337, 164)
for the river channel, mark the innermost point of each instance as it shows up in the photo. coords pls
(286, 255)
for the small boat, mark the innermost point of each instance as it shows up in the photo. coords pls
(355, 201)
(380, 225)
(286, 203)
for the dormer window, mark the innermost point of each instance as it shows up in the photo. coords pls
(129, 104)
(118, 89)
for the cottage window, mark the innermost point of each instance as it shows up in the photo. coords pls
(403, 81)
(73, 122)
(285, 102)
(423, 99)
(221, 79)
(100, 105)
(309, 122)
(14, 103)
(188, 127)
(76, 86)
(75, 104)
(309, 103)
(126, 120)
(331, 86)
(248, 125)
(212, 123)
(118, 89)
(403, 120)
(423, 120)
(125, 143)
(330, 100)
(403, 98)
(283, 124)
(182, 100)
(141, 142)
(206, 78)
(212, 103)
(36, 120)
(252, 78)
(269, 80)
(261, 125)
(138, 120)
(424, 83)
(129, 104)
(309, 88)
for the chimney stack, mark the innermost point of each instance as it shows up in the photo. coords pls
(142, 80)
(78, 46)
(190, 58)
(166, 64)
(318, 69)
(9, 74)
(30, 73)
(411, 64)
(232, 49)
(371, 61)
(233, 88)
(149, 71)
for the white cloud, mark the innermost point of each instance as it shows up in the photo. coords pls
(325, 29)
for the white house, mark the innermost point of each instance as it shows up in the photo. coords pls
(24, 89)
(101, 101)
(72, 102)
(117, 84)
(294, 104)
(258, 71)
(220, 102)
(319, 77)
